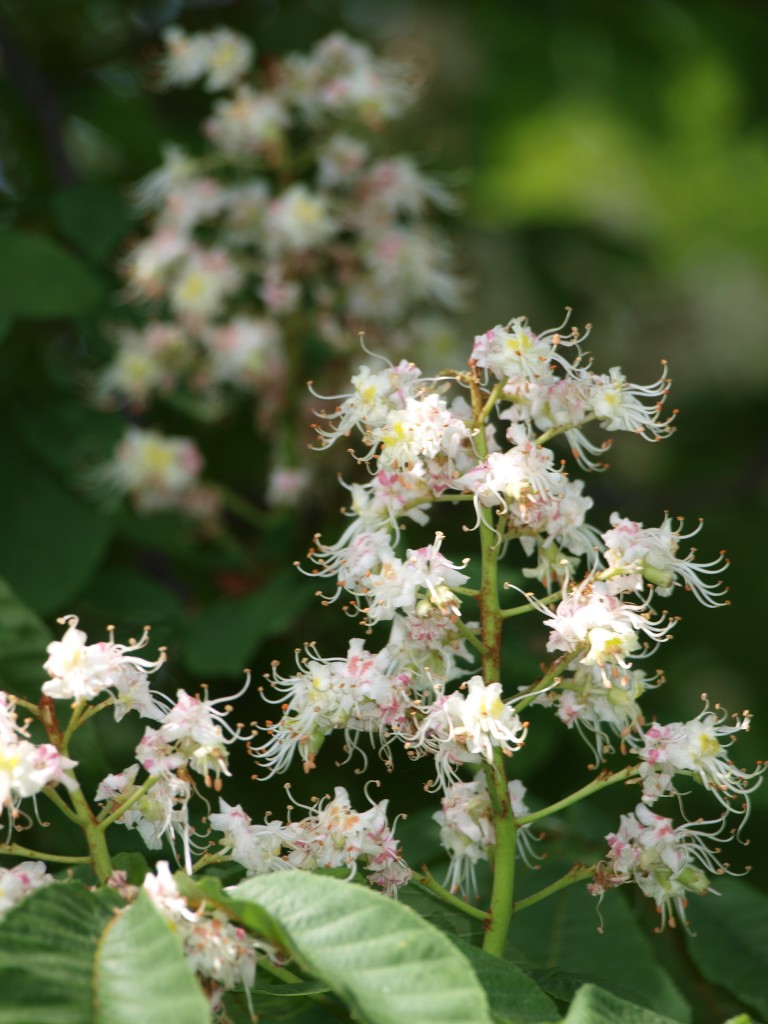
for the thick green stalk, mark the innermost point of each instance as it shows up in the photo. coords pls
(502, 894)
(500, 913)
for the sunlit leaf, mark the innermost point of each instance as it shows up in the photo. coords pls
(384, 961)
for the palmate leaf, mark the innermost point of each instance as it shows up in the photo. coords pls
(72, 956)
(514, 998)
(562, 932)
(729, 944)
(593, 1005)
(23, 641)
(384, 962)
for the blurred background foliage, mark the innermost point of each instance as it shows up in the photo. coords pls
(610, 157)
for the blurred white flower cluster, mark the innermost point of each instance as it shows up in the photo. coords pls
(292, 228)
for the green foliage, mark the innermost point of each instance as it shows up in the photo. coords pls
(41, 280)
(51, 539)
(562, 932)
(23, 639)
(142, 974)
(729, 941)
(92, 216)
(224, 637)
(385, 962)
(513, 997)
(593, 1005)
(72, 956)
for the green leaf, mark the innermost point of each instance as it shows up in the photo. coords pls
(92, 216)
(593, 1005)
(448, 919)
(223, 639)
(67, 436)
(386, 963)
(729, 944)
(41, 280)
(142, 973)
(23, 641)
(126, 595)
(72, 956)
(48, 945)
(513, 997)
(250, 914)
(51, 540)
(562, 932)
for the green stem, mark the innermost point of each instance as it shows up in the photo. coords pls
(500, 913)
(19, 702)
(242, 508)
(505, 826)
(603, 780)
(578, 873)
(119, 811)
(549, 677)
(522, 609)
(467, 633)
(97, 845)
(554, 431)
(94, 837)
(14, 850)
(209, 858)
(425, 878)
(490, 404)
(64, 807)
(73, 723)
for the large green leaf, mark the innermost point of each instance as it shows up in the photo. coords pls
(593, 1005)
(41, 280)
(562, 932)
(68, 437)
(23, 641)
(71, 956)
(729, 943)
(93, 216)
(225, 636)
(513, 997)
(141, 972)
(51, 540)
(384, 961)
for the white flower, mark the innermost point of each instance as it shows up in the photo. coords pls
(222, 953)
(248, 124)
(155, 470)
(20, 880)
(465, 730)
(258, 848)
(666, 862)
(618, 404)
(652, 552)
(696, 748)
(298, 219)
(515, 353)
(335, 835)
(27, 768)
(467, 830)
(355, 694)
(221, 57)
(81, 671)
